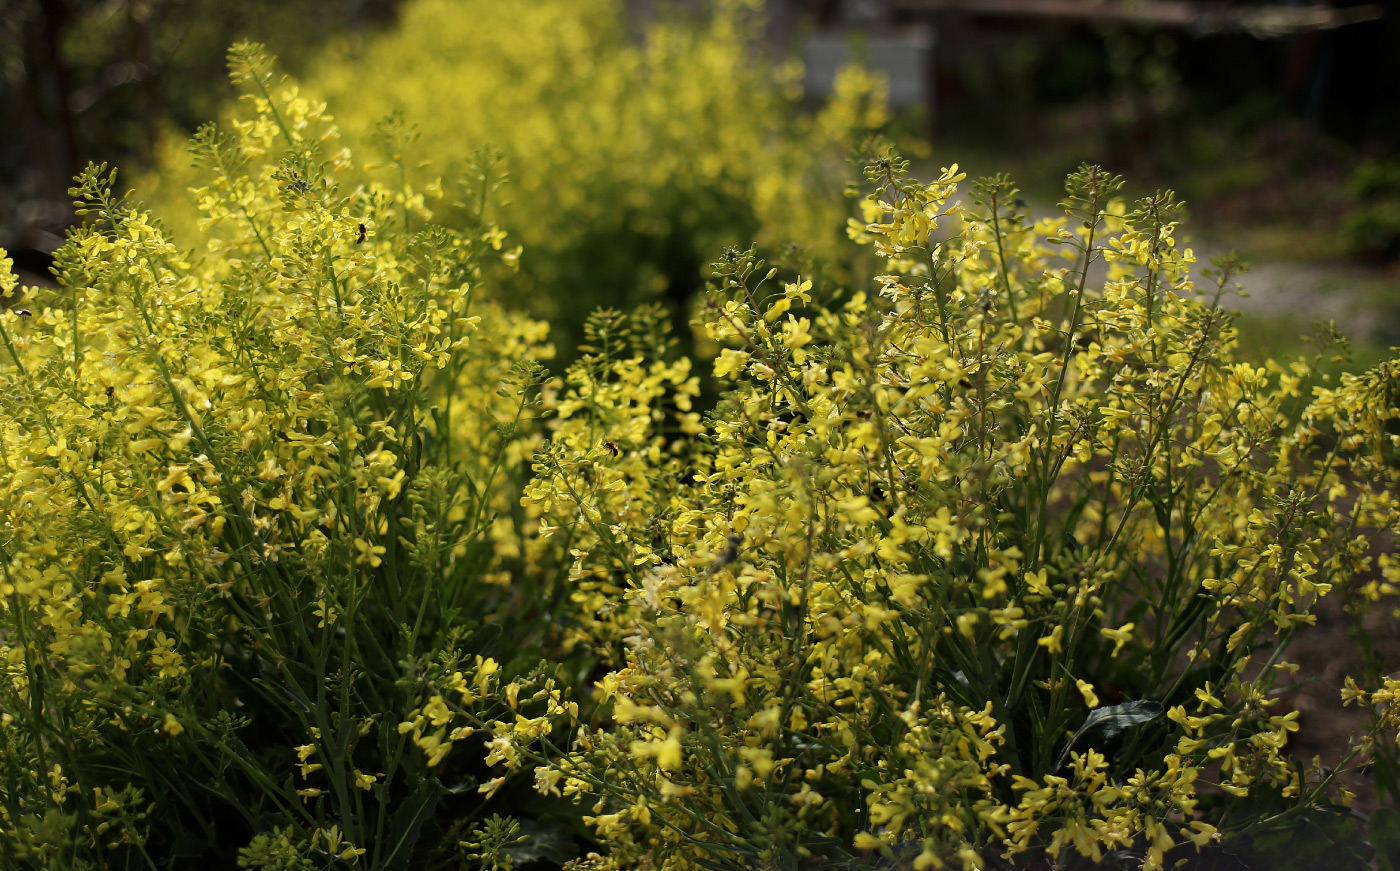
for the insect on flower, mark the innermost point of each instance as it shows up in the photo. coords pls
(613, 448)
(362, 234)
(731, 552)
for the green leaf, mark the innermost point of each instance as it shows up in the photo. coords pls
(407, 824)
(468, 783)
(1316, 839)
(545, 839)
(1105, 724)
(1384, 830)
(278, 689)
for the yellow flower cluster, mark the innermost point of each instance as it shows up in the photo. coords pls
(998, 555)
(248, 475)
(1001, 560)
(632, 160)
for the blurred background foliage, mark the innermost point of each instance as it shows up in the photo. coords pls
(632, 160)
(1281, 139)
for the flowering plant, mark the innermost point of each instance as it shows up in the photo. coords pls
(633, 157)
(991, 562)
(999, 561)
(251, 495)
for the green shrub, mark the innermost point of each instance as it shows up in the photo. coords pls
(1373, 225)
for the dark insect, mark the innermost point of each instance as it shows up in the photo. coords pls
(731, 551)
(110, 391)
(964, 384)
(613, 448)
(24, 312)
(362, 235)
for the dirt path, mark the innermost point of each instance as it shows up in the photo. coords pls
(1364, 302)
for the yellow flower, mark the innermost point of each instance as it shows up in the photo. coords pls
(369, 553)
(1086, 689)
(730, 362)
(436, 711)
(666, 751)
(1120, 636)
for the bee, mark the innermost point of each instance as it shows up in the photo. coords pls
(24, 312)
(362, 234)
(613, 448)
(110, 391)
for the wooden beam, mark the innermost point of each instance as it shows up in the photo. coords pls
(1198, 17)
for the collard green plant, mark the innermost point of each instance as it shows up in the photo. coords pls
(252, 494)
(1001, 561)
(996, 566)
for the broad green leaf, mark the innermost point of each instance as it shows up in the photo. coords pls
(407, 824)
(1105, 724)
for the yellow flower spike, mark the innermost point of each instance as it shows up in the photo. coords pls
(1120, 636)
(1086, 689)
(8, 280)
(1053, 643)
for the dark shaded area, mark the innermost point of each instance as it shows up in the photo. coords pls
(98, 80)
